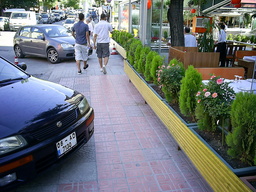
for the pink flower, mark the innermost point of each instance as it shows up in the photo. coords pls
(219, 81)
(158, 79)
(204, 90)
(213, 76)
(214, 95)
(207, 94)
(198, 93)
(172, 64)
(199, 100)
(163, 66)
(168, 67)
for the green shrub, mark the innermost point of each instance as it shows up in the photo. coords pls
(214, 101)
(169, 78)
(142, 62)
(242, 139)
(190, 85)
(137, 56)
(156, 62)
(132, 49)
(149, 59)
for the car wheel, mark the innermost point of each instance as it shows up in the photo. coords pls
(53, 56)
(18, 52)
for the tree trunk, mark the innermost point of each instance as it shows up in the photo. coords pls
(175, 18)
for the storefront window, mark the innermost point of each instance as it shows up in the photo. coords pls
(135, 18)
(124, 21)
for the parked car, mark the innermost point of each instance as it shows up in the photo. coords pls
(41, 124)
(21, 18)
(53, 42)
(69, 23)
(4, 23)
(46, 19)
(57, 16)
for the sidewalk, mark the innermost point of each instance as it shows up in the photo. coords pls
(131, 150)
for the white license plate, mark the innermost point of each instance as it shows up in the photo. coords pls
(66, 144)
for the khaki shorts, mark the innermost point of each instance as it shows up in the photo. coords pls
(81, 52)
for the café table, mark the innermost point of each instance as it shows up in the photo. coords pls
(240, 85)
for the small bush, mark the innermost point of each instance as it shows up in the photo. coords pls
(242, 139)
(169, 78)
(156, 62)
(142, 62)
(149, 59)
(132, 49)
(190, 85)
(215, 99)
(137, 55)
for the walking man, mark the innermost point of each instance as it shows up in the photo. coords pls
(80, 32)
(101, 36)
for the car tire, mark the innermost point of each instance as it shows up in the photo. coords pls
(18, 52)
(53, 56)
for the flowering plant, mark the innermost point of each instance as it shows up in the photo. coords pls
(169, 78)
(214, 103)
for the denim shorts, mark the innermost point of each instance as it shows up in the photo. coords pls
(102, 50)
(81, 52)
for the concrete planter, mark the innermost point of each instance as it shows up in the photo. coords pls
(219, 176)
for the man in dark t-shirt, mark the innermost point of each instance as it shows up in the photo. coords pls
(80, 32)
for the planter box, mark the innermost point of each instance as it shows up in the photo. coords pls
(119, 49)
(219, 176)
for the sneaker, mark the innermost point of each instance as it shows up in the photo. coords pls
(101, 70)
(104, 69)
(79, 72)
(86, 66)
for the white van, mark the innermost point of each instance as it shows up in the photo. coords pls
(8, 12)
(20, 18)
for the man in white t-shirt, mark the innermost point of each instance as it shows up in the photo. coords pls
(101, 36)
(190, 40)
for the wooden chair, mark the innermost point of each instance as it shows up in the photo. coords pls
(248, 66)
(231, 53)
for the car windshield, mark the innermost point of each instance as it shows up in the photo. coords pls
(9, 73)
(56, 31)
(19, 15)
(44, 16)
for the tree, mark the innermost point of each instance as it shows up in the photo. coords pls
(175, 18)
(72, 3)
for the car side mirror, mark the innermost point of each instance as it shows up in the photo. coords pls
(23, 66)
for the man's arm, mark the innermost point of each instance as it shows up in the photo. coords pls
(94, 40)
(88, 39)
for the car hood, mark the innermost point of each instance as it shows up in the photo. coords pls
(32, 101)
(69, 39)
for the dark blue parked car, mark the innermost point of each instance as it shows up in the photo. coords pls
(41, 123)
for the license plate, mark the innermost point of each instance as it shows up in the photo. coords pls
(65, 145)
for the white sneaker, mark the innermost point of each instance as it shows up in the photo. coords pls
(101, 70)
(104, 69)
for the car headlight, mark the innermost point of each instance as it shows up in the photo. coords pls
(83, 106)
(11, 143)
(66, 45)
